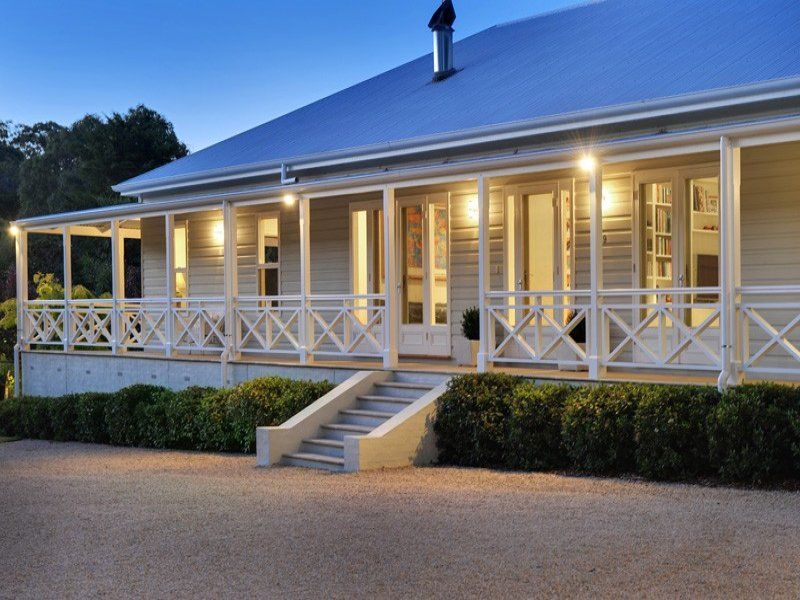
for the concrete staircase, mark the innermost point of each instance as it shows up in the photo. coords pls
(359, 417)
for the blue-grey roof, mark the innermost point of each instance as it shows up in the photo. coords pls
(591, 56)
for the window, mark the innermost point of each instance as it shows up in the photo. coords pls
(181, 251)
(366, 254)
(269, 274)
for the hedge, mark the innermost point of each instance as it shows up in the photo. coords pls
(749, 434)
(151, 416)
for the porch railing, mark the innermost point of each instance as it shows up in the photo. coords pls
(346, 325)
(328, 325)
(668, 328)
(548, 327)
(268, 324)
(769, 321)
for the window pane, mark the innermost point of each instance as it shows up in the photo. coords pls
(270, 253)
(412, 264)
(268, 283)
(439, 265)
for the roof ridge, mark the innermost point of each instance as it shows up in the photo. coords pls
(548, 13)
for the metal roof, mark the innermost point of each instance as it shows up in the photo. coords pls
(592, 56)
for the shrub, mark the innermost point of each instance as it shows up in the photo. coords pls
(671, 431)
(472, 419)
(125, 409)
(534, 429)
(753, 435)
(598, 429)
(90, 419)
(34, 418)
(9, 416)
(471, 323)
(235, 414)
(63, 417)
(178, 420)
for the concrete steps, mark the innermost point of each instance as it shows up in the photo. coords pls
(365, 412)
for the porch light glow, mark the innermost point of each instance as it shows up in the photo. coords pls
(472, 209)
(587, 163)
(13, 230)
(219, 232)
(289, 199)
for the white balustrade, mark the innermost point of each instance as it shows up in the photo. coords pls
(547, 327)
(769, 320)
(675, 328)
(346, 325)
(268, 324)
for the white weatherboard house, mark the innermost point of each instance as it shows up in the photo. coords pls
(615, 186)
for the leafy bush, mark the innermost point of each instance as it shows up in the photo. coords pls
(671, 431)
(534, 429)
(471, 323)
(126, 411)
(598, 428)
(151, 416)
(472, 419)
(753, 435)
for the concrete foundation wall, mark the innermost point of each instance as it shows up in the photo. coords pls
(56, 374)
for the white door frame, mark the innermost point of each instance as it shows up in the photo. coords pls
(427, 338)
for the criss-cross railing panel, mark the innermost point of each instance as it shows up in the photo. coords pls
(142, 324)
(538, 327)
(268, 324)
(666, 328)
(198, 324)
(770, 329)
(43, 322)
(90, 323)
(351, 325)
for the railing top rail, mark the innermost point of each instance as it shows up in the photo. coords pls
(529, 293)
(768, 289)
(659, 291)
(281, 298)
(328, 297)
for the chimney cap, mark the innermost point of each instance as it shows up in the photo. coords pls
(444, 17)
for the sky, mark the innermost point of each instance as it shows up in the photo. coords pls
(213, 69)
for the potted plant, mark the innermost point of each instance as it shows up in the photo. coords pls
(471, 328)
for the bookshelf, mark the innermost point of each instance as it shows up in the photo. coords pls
(658, 254)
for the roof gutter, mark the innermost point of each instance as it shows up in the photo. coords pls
(764, 131)
(674, 105)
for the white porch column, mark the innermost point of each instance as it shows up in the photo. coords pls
(231, 262)
(66, 238)
(169, 254)
(596, 329)
(730, 261)
(484, 274)
(21, 247)
(117, 281)
(391, 325)
(306, 326)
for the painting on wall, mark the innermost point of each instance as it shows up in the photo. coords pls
(440, 238)
(414, 238)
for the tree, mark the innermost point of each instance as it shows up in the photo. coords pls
(73, 168)
(79, 164)
(10, 159)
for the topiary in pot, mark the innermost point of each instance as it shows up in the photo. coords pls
(471, 328)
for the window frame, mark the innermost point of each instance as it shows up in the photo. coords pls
(261, 265)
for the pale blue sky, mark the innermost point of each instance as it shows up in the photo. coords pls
(213, 68)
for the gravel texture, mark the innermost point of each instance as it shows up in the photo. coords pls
(89, 521)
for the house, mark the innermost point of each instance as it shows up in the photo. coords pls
(615, 186)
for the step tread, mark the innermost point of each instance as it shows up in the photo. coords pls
(348, 427)
(378, 414)
(311, 456)
(395, 399)
(325, 442)
(406, 385)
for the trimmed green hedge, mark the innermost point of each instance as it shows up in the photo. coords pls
(156, 417)
(749, 434)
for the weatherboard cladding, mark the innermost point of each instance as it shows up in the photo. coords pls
(591, 56)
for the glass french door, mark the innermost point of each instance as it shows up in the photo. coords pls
(424, 264)
(680, 245)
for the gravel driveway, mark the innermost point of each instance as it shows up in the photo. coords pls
(82, 520)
